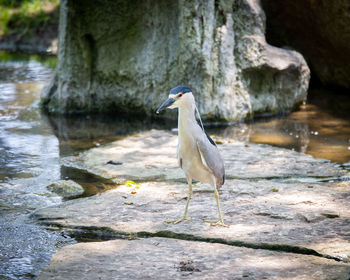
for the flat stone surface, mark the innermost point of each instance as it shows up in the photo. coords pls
(273, 199)
(152, 156)
(161, 258)
(317, 218)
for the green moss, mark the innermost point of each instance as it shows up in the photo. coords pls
(48, 60)
(49, 106)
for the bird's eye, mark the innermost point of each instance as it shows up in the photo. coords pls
(179, 95)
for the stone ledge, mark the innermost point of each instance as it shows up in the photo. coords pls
(151, 156)
(279, 204)
(160, 258)
(296, 215)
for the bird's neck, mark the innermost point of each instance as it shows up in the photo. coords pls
(186, 118)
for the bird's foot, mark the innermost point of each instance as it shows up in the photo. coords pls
(216, 223)
(179, 220)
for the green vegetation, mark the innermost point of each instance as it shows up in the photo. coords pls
(21, 18)
(48, 61)
(133, 186)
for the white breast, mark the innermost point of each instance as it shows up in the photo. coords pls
(191, 161)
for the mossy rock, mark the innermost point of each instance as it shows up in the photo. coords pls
(66, 188)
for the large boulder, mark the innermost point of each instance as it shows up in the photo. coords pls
(320, 30)
(125, 56)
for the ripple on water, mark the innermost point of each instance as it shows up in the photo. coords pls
(29, 161)
(25, 249)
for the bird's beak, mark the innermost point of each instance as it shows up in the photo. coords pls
(165, 105)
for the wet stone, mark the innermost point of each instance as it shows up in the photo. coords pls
(26, 249)
(162, 258)
(66, 188)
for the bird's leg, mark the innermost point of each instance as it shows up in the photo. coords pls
(219, 222)
(184, 217)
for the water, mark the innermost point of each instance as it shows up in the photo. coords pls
(29, 160)
(31, 145)
(320, 128)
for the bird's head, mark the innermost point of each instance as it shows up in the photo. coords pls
(178, 96)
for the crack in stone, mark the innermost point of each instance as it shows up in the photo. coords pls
(106, 233)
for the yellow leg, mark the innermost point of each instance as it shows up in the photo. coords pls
(184, 217)
(219, 222)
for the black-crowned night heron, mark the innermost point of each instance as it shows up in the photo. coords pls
(197, 153)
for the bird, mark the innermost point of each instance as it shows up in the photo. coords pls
(197, 153)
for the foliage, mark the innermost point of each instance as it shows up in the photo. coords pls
(4, 19)
(133, 186)
(21, 17)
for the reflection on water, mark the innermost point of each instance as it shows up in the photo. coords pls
(31, 145)
(316, 128)
(313, 129)
(78, 133)
(11, 58)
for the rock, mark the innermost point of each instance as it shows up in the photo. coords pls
(291, 219)
(296, 218)
(129, 54)
(66, 188)
(320, 31)
(160, 258)
(284, 221)
(152, 156)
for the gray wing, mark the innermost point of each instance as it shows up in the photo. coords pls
(211, 158)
